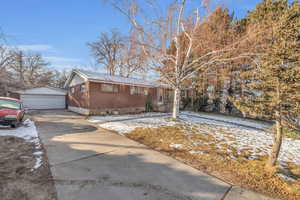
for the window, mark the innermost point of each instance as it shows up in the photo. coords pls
(146, 91)
(132, 90)
(138, 90)
(82, 88)
(109, 88)
(169, 95)
(10, 104)
(72, 90)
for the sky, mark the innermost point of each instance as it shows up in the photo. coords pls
(60, 29)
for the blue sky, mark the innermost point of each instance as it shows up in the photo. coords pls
(60, 29)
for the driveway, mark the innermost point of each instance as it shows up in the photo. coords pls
(90, 163)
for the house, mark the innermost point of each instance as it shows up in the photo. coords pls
(92, 93)
(41, 97)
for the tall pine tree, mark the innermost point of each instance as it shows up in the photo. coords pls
(273, 86)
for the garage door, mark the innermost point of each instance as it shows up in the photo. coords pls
(44, 101)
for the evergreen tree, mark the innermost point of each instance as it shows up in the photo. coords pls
(273, 86)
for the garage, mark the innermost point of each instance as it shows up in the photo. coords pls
(43, 98)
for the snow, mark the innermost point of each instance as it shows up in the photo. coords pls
(38, 162)
(285, 177)
(177, 146)
(129, 125)
(228, 119)
(241, 134)
(112, 118)
(29, 133)
(118, 79)
(196, 152)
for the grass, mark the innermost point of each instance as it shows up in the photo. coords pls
(238, 170)
(289, 133)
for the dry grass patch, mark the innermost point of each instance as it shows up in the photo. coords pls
(18, 180)
(200, 151)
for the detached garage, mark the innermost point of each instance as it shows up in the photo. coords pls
(43, 98)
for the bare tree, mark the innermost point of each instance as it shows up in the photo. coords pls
(60, 78)
(175, 28)
(132, 58)
(35, 72)
(6, 58)
(29, 70)
(107, 50)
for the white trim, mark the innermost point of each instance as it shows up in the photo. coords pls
(87, 78)
(72, 76)
(79, 110)
(119, 83)
(59, 91)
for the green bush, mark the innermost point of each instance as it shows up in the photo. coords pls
(200, 102)
(217, 102)
(186, 101)
(229, 106)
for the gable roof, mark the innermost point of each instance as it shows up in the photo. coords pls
(45, 90)
(101, 77)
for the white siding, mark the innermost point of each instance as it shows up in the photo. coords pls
(44, 90)
(44, 101)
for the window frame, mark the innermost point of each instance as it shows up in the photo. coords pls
(82, 88)
(137, 90)
(114, 88)
(72, 90)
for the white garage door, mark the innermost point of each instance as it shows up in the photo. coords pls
(44, 101)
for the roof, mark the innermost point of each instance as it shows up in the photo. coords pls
(8, 98)
(101, 77)
(45, 90)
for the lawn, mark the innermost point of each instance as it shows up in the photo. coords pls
(230, 148)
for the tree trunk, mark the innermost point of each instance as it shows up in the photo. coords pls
(176, 103)
(192, 99)
(277, 142)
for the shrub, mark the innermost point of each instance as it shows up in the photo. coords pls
(200, 102)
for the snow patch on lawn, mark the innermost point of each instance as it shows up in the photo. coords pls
(177, 146)
(129, 125)
(241, 134)
(112, 118)
(29, 133)
(229, 119)
(255, 142)
(38, 162)
(287, 178)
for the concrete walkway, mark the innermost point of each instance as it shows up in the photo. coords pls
(89, 163)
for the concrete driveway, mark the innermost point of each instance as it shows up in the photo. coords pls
(89, 163)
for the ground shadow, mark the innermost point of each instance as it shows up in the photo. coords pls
(129, 177)
(61, 128)
(118, 171)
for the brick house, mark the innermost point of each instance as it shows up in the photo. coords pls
(92, 93)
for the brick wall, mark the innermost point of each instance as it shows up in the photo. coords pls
(121, 99)
(78, 98)
(100, 102)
